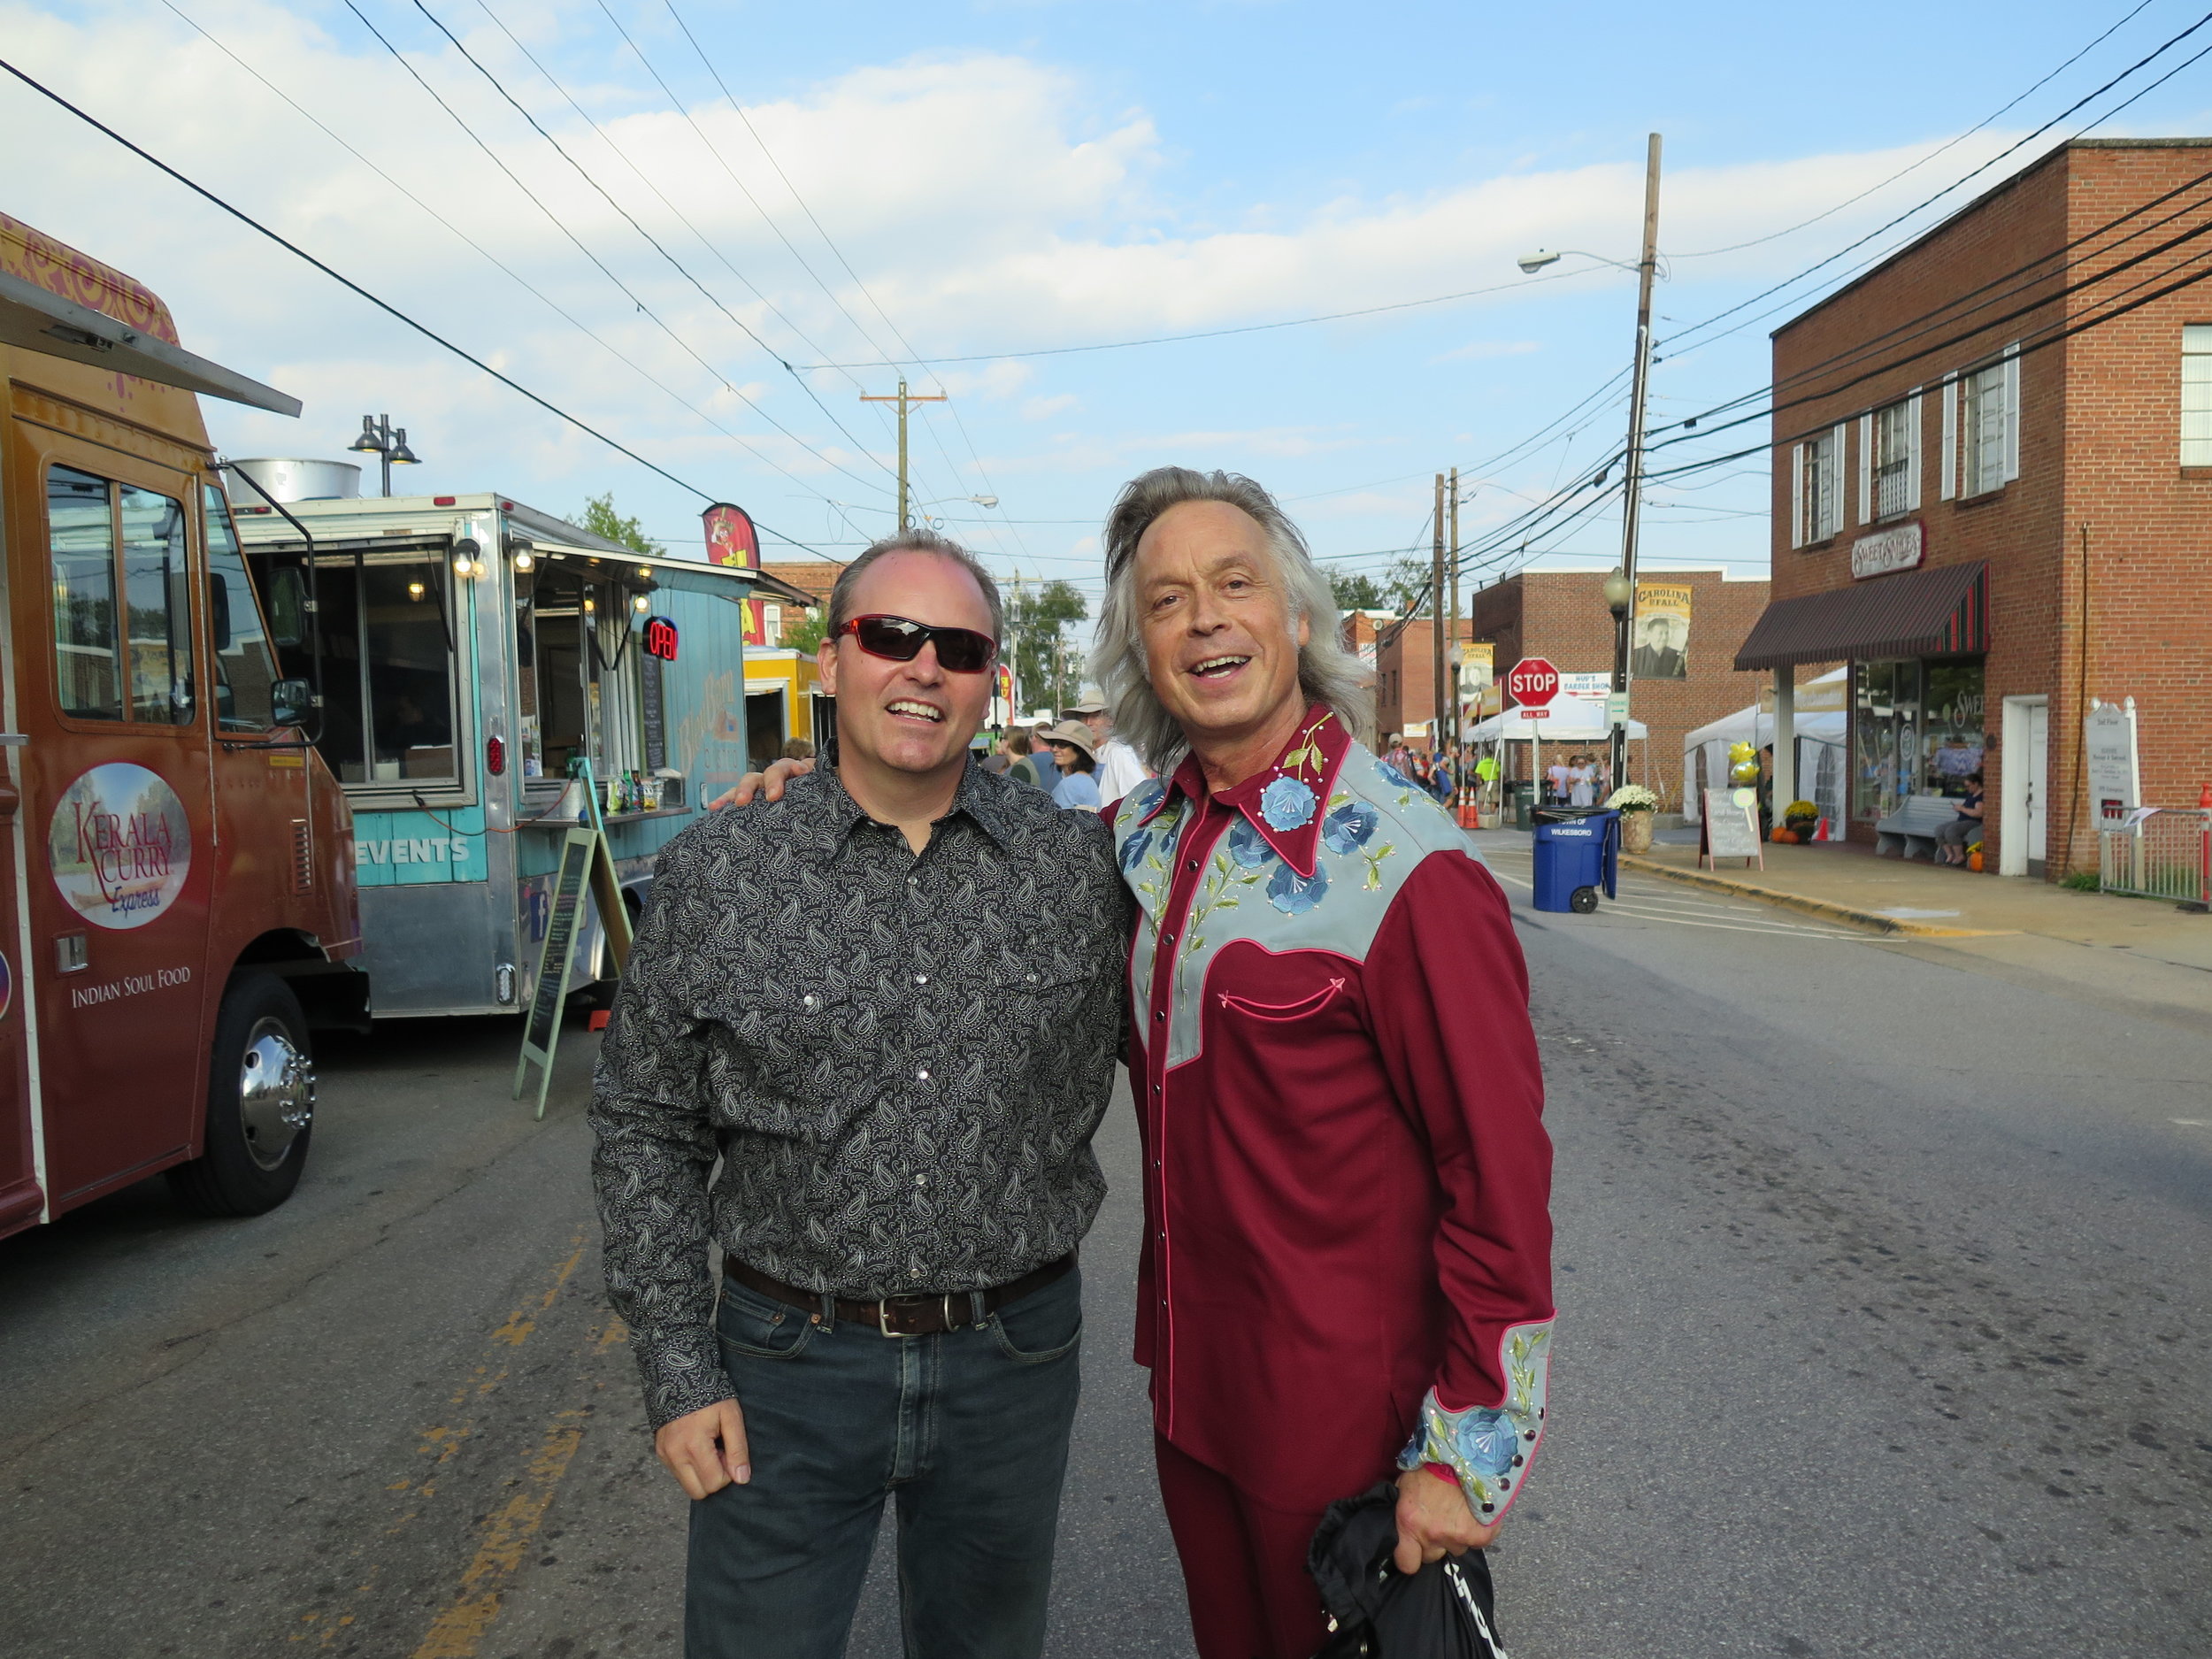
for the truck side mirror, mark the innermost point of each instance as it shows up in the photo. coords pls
(290, 701)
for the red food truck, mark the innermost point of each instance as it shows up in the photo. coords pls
(177, 908)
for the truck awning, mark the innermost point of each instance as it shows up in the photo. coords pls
(1939, 612)
(37, 319)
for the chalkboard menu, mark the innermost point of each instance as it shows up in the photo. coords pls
(542, 1030)
(656, 717)
(1730, 831)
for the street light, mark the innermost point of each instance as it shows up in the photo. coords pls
(1618, 593)
(381, 439)
(1531, 263)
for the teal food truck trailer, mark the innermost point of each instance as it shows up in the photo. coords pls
(477, 659)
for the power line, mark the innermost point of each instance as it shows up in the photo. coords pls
(515, 276)
(652, 241)
(1954, 144)
(386, 306)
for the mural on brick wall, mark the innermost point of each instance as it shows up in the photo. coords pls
(1661, 637)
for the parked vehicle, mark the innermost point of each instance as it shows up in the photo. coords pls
(476, 654)
(177, 902)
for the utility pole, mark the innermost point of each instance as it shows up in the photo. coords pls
(1436, 624)
(1632, 485)
(1456, 648)
(902, 400)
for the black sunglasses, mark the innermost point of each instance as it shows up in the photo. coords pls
(959, 650)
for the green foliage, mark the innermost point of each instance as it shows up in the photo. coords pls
(600, 518)
(803, 630)
(2083, 881)
(1040, 619)
(1359, 592)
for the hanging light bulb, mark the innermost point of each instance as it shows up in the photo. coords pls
(414, 590)
(526, 560)
(640, 604)
(590, 605)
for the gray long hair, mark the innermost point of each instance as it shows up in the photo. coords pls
(1327, 673)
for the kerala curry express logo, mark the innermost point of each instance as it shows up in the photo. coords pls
(119, 845)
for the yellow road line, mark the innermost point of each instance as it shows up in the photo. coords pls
(459, 1631)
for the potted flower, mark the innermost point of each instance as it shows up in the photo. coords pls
(1800, 817)
(1635, 804)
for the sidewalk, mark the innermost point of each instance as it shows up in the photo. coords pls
(2134, 949)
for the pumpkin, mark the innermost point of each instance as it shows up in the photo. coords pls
(1789, 835)
(1974, 860)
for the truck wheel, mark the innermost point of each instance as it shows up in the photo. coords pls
(1583, 901)
(260, 1104)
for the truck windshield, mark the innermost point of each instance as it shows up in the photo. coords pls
(244, 667)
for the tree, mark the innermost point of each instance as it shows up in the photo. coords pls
(1039, 619)
(803, 630)
(600, 518)
(1360, 592)
(1399, 588)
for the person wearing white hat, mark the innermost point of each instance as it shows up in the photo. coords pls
(1075, 752)
(1119, 769)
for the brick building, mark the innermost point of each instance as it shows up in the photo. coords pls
(1992, 495)
(1561, 616)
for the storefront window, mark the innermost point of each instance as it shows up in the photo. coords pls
(1915, 729)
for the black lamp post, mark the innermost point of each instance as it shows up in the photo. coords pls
(379, 438)
(1620, 594)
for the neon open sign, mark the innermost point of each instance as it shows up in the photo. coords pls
(660, 639)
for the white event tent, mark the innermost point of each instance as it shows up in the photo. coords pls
(1821, 723)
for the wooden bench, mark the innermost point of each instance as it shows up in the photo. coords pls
(1912, 827)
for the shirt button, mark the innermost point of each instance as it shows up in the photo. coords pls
(1193, 865)
(923, 1074)
(1159, 1013)
(921, 1180)
(808, 999)
(921, 979)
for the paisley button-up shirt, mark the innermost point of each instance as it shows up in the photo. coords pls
(1346, 1256)
(900, 1059)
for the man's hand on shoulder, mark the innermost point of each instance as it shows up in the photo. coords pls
(706, 1449)
(1434, 1521)
(768, 784)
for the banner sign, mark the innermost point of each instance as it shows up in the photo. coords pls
(732, 542)
(1660, 640)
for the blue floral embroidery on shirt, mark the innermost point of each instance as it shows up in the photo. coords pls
(1147, 794)
(1487, 1441)
(1347, 829)
(1133, 850)
(1287, 805)
(1295, 895)
(1392, 776)
(1247, 845)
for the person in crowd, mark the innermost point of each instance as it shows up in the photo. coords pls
(1074, 751)
(996, 757)
(1442, 776)
(1027, 764)
(1346, 1264)
(1337, 1084)
(797, 749)
(1119, 767)
(1558, 780)
(1582, 778)
(819, 999)
(1953, 838)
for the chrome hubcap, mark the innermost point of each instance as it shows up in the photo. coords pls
(276, 1092)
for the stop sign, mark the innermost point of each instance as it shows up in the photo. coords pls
(1533, 682)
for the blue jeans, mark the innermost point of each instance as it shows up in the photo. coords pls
(969, 1428)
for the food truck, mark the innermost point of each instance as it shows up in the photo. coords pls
(176, 863)
(485, 666)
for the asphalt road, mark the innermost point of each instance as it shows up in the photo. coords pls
(1883, 1329)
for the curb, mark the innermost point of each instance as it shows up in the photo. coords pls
(1821, 908)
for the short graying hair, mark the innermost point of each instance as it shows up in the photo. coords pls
(840, 603)
(1327, 673)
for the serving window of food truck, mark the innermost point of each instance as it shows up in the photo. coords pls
(584, 683)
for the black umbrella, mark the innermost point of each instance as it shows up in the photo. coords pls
(1444, 1612)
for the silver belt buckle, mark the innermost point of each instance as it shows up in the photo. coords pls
(883, 1313)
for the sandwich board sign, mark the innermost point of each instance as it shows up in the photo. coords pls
(1731, 829)
(2109, 756)
(586, 861)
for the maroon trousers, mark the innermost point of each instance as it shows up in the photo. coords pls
(1244, 1565)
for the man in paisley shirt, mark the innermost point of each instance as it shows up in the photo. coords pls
(889, 1005)
(1346, 1264)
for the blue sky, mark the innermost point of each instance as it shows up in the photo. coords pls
(1003, 178)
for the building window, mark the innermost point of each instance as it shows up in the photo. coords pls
(2196, 394)
(1896, 458)
(1815, 471)
(1991, 450)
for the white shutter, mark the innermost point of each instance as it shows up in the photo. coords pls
(1912, 451)
(2012, 410)
(1866, 469)
(1948, 463)
(1797, 538)
(1839, 447)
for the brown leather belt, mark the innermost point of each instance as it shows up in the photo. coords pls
(904, 1316)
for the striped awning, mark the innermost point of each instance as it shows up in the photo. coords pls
(1939, 612)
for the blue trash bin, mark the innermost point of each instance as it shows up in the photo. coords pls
(1576, 856)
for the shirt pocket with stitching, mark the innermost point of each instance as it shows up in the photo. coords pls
(805, 1056)
(1300, 1008)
